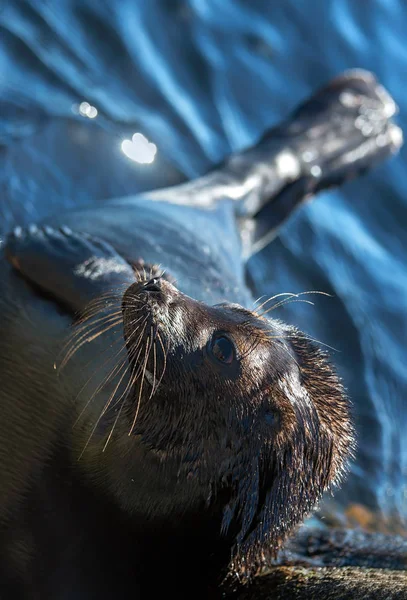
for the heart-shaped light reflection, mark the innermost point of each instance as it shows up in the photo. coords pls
(139, 149)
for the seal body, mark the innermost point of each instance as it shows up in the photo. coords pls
(165, 425)
(156, 430)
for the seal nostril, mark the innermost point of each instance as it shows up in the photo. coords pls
(153, 285)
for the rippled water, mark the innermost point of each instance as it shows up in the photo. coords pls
(199, 79)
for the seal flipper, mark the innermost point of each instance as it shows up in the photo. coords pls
(73, 268)
(337, 134)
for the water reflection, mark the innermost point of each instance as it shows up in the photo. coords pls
(139, 149)
(288, 165)
(85, 110)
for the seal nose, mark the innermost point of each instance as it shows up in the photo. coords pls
(154, 285)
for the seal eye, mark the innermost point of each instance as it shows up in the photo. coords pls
(223, 350)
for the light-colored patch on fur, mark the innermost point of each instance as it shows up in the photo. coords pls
(95, 267)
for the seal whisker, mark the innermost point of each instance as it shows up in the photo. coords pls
(136, 373)
(154, 369)
(303, 337)
(95, 320)
(89, 328)
(113, 426)
(311, 339)
(141, 387)
(90, 321)
(136, 331)
(101, 414)
(314, 292)
(101, 300)
(85, 316)
(141, 369)
(286, 301)
(76, 338)
(79, 328)
(96, 311)
(141, 276)
(154, 362)
(109, 295)
(165, 358)
(133, 307)
(92, 325)
(132, 352)
(96, 372)
(84, 340)
(258, 299)
(122, 395)
(130, 357)
(134, 359)
(292, 295)
(115, 371)
(113, 295)
(282, 303)
(120, 339)
(270, 299)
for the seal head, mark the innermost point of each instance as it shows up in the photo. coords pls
(243, 415)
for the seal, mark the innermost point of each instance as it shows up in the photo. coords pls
(177, 427)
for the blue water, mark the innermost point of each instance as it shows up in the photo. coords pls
(201, 78)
